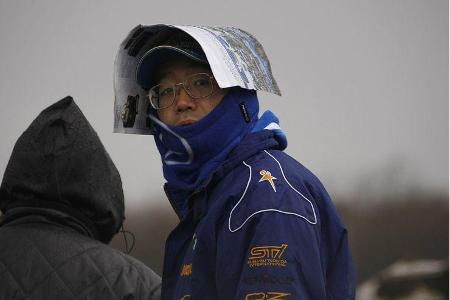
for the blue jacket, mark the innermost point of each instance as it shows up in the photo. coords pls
(262, 227)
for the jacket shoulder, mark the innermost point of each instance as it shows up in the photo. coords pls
(276, 183)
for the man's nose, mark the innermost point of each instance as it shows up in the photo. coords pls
(183, 101)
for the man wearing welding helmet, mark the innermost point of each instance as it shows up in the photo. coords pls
(254, 222)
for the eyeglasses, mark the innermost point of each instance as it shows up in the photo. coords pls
(197, 86)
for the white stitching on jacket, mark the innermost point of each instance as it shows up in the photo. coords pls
(270, 209)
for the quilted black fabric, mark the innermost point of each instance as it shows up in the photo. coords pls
(62, 200)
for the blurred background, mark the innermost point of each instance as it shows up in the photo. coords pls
(365, 107)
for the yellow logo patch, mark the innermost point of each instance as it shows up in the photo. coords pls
(266, 296)
(267, 176)
(261, 256)
(187, 270)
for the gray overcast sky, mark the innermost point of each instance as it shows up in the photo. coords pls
(364, 83)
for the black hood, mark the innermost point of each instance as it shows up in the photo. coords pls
(59, 163)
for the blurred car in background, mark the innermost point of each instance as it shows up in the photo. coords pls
(412, 280)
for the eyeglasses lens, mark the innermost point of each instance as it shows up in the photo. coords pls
(197, 86)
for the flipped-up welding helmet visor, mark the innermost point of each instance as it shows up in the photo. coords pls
(235, 57)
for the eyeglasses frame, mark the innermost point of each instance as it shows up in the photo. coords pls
(183, 83)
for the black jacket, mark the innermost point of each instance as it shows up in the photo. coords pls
(62, 201)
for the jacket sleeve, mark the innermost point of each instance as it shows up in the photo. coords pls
(138, 281)
(151, 286)
(281, 253)
(153, 289)
(341, 273)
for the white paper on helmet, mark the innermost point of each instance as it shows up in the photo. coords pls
(236, 58)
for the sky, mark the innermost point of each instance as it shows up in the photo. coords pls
(364, 83)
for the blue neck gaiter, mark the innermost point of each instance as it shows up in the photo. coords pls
(190, 154)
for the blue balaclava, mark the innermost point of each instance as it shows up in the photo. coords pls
(191, 153)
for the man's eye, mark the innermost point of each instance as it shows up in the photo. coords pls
(201, 82)
(166, 91)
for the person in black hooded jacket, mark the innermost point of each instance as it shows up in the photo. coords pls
(62, 202)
